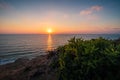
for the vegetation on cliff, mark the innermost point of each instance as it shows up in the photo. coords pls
(95, 59)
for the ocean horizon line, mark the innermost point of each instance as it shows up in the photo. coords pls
(63, 34)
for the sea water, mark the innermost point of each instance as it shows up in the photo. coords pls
(14, 46)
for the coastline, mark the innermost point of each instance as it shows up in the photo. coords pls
(69, 59)
(24, 69)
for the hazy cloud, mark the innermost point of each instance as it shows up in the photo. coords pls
(90, 10)
(116, 28)
(5, 6)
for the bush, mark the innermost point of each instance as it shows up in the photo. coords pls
(95, 59)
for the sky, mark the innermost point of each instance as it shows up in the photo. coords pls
(62, 16)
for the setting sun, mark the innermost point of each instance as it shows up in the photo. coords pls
(49, 30)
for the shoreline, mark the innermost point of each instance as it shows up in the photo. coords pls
(37, 68)
(13, 60)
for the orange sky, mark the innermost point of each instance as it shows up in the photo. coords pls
(78, 17)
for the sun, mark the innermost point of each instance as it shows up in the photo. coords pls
(49, 30)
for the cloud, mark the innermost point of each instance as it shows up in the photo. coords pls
(91, 10)
(96, 8)
(116, 28)
(5, 6)
(85, 12)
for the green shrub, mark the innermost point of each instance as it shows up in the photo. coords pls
(95, 59)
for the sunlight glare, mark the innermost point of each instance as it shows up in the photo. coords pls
(49, 30)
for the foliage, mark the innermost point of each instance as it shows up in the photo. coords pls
(95, 59)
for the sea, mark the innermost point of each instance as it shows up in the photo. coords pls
(14, 46)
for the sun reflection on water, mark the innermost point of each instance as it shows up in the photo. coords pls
(49, 42)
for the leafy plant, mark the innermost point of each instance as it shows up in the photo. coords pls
(95, 59)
